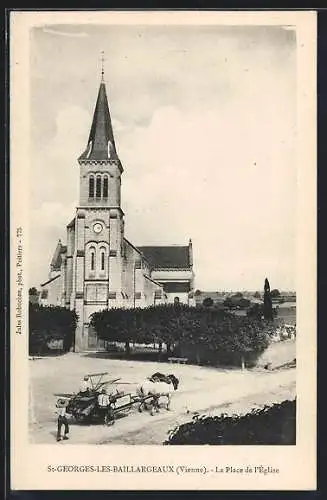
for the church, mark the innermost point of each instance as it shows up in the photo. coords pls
(98, 267)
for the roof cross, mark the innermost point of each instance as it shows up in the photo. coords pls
(102, 65)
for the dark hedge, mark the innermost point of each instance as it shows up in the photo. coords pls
(209, 332)
(274, 425)
(48, 323)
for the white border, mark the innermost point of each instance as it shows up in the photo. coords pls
(297, 464)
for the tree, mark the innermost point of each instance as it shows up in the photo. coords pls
(228, 303)
(208, 302)
(33, 295)
(209, 334)
(255, 311)
(275, 294)
(243, 303)
(257, 295)
(267, 302)
(48, 323)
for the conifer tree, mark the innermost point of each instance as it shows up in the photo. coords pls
(267, 302)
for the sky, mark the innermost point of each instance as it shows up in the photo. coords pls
(204, 119)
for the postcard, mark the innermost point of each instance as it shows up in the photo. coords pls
(163, 250)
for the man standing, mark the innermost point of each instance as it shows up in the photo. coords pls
(103, 403)
(62, 419)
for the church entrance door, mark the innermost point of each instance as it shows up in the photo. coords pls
(94, 344)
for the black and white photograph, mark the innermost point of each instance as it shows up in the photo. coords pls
(156, 254)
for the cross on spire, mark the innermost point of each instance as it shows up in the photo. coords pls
(102, 65)
(101, 142)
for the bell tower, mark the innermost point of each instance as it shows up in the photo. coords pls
(100, 167)
(99, 225)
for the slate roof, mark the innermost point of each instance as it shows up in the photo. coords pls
(56, 259)
(72, 223)
(152, 280)
(127, 242)
(101, 142)
(167, 257)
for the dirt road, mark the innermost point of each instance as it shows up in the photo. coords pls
(204, 390)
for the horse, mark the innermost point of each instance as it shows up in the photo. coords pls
(169, 379)
(157, 388)
(158, 377)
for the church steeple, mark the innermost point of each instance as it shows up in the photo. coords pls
(101, 142)
(100, 167)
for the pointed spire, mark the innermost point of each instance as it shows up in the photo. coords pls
(101, 142)
(56, 259)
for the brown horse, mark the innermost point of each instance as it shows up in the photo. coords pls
(168, 379)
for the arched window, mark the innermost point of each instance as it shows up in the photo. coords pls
(92, 260)
(91, 187)
(105, 187)
(102, 259)
(98, 187)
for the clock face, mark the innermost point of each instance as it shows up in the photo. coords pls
(97, 228)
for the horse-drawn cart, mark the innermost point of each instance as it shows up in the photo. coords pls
(122, 405)
(84, 407)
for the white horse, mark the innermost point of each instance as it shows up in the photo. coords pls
(157, 389)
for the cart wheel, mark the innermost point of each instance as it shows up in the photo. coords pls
(109, 418)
